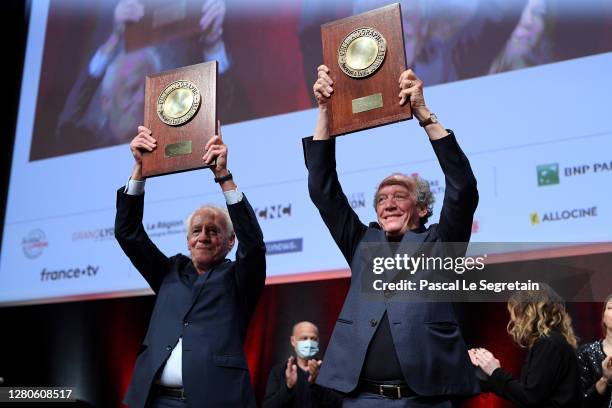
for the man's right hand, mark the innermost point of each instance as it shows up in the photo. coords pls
(141, 143)
(291, 373)
(323, 87)
(323, 90)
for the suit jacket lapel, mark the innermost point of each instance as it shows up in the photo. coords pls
(410, 245)
(198, 285)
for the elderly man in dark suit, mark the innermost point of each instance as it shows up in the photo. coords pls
(192, 354)
(382, 352)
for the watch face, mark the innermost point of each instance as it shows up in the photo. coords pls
(434, 118)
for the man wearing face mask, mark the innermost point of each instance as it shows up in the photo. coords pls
(292, 384)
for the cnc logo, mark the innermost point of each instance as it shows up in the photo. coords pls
(563, 215)
(34, 243)
(272, 212)
(548, 174)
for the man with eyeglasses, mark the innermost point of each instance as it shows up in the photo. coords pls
(384, 353)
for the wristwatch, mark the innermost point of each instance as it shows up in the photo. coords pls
(225, 178)
(431, 119)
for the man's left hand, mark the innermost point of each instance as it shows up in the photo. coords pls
(411, 90)
(216, 149)
(313, 370)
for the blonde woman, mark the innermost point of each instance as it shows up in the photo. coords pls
(550, 373)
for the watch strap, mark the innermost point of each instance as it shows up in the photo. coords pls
(225, 178)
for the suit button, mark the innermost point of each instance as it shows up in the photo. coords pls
(168, 348)
(373, 322)
(185, 323)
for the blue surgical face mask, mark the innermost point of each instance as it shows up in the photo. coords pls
(307, 348)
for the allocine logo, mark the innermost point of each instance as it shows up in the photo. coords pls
(563, 215)
(548, 174)
(34, 243)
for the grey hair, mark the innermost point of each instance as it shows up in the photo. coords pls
(423, 196)
(229, 227)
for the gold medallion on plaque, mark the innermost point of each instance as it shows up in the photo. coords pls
(178, 103)
(362, 52)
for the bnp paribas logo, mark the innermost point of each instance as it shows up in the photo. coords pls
(548, 174)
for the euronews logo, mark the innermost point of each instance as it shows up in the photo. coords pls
(548, 174)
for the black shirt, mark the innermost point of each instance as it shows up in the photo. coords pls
(381, 363)
(302, 395)
(590, 357)
(549, 377)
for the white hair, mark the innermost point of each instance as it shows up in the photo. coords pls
(229, 227)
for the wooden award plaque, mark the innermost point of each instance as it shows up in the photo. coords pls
(181, 111)
(162, 21)
(365, 55)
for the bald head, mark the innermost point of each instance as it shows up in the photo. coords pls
(304, 326)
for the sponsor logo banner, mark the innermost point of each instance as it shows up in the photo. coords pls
(284, 246)
(563, 215)
(34, 243)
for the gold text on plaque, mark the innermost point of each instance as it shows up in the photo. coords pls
(362, 52)
(178, 102)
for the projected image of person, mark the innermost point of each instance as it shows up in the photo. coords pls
(528, 44)
(192, 354)
(444, 40)
(550, 374)
(431, 31)
(107, 101)
(596, 365)
(381, 352)
(292, 383)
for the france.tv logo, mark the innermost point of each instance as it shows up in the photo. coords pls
(548, 174)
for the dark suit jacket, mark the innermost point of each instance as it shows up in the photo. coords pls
(302, 395)
(429, 345)
(211, 317)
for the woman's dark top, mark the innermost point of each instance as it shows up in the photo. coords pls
(549, 377)
(590, 357)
